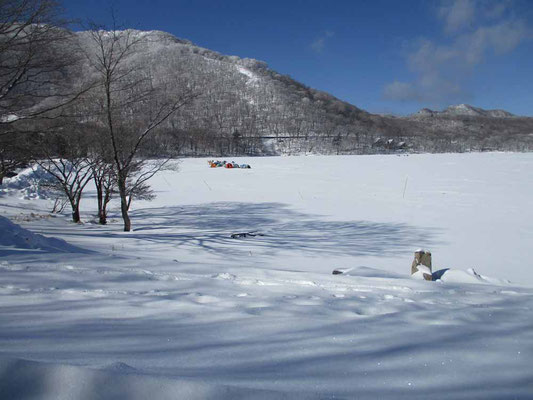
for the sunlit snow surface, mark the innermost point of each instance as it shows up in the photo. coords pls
(178, 309)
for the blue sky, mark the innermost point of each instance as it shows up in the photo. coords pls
(383, 56)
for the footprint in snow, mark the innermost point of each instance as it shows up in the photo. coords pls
(225, 276)
(307, 301)
(203, 298)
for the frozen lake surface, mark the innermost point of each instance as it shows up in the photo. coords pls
(178, 309)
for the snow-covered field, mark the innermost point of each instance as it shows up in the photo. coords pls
(178, 309)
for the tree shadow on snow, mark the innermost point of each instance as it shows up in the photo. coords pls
(209, 226)
(238, 351)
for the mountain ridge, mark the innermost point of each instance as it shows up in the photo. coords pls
(245, 107)
(464, 110)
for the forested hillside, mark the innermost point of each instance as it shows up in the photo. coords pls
(197, 102)
(244, 107)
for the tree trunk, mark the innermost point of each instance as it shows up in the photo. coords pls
(125, 216)
(105, 202)
(76, 213)
(100, 199)
(102, 213)
(124, 204)
(1, 179)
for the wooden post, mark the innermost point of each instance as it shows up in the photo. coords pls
(422, 258)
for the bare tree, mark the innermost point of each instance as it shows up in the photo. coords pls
(35, 55)
(72, 175)
(65, 155)
(134, 105)
(105, 181)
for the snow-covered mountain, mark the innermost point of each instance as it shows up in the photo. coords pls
(464, 110)
(245, 107)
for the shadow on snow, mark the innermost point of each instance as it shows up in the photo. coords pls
(209, 226)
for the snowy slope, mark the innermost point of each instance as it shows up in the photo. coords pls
(15, 238)
(179, 308)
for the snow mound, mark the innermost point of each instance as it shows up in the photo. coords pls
(22, 379)
(422, 270)
(444, 275)
(32, 183)
(468, 276)
(120, 367)
(14, 236)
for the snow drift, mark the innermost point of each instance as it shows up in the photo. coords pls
(30, 183)
(22, 379)
(14, 237)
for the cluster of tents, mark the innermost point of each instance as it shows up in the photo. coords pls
(233, 164)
